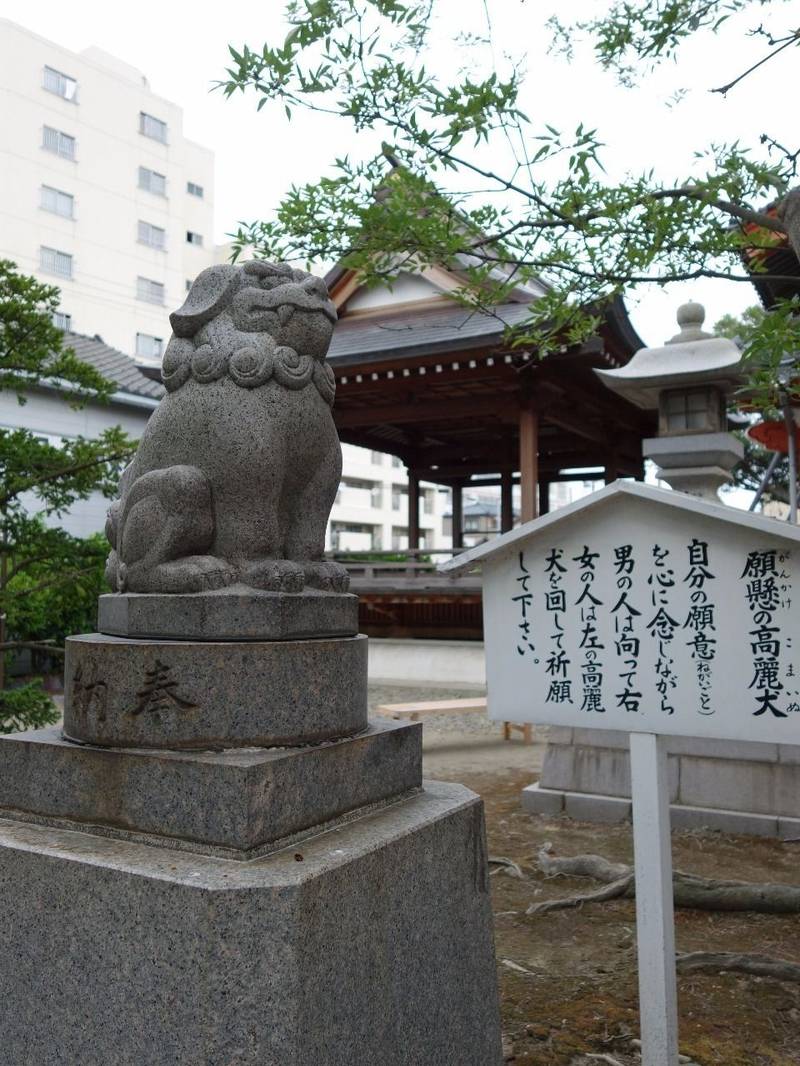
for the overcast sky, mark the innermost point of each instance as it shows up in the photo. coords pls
(182, 48)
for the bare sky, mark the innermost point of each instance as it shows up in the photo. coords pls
(182, 48)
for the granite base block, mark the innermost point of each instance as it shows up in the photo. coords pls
(235, 613)
(585, 807)
(121, 692)
(754, 825)
(536, 800)
(606, 810)
(368, 944)
(235, 803)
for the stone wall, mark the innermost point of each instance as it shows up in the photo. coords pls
(728, 785)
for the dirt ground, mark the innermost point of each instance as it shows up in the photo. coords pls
(568, 979)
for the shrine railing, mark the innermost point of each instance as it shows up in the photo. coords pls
(410, 570)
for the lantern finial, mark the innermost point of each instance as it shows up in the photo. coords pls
(691, 317)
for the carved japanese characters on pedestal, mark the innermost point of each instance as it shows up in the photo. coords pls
(237, 471)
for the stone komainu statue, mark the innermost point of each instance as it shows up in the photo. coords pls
(238, 468)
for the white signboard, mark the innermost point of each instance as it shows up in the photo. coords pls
(642, 614)
(657, 614)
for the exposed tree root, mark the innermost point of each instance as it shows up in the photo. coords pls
(756, 965)
(594, 866)
(623, 887)
(505, 866)
(698, 893)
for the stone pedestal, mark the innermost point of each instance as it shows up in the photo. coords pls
(224, 694)
(697, 463)
(369, 944)
(235, 613)
(237, 803)
(222, 861)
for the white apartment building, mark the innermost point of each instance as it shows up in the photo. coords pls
(103, 196)
(101, 193)
(371, 508)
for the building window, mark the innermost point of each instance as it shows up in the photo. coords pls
(61, 320)
(399, 498)
(188, 284)
(59, 203)
(399, 538)
(194, 238)
(152, 127)
(148, 347)
(152, 181)
(194, 190)
(55, 262)
(60, 84)
(376, 458)
(355, 537)
(152, 236)
(151, 291)
(396, 462)
(60, 143)
(376, 495)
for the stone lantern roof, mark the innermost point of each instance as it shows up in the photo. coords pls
(691, 358)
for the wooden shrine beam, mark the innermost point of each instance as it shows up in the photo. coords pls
(420, 413)
(493, 482)
(549, 466)
(366, 437)
(596, 397)
(492, 456)
(499, 372)
(578, 426)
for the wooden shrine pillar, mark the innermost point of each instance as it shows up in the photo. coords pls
(506, 501)
(457, 497)
(528, 461)
(413, 511)
(544, 495)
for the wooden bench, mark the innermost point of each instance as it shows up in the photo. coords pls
(412, 712)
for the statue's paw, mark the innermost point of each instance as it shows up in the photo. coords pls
(331, 577)
(194, 573)
(274, 575)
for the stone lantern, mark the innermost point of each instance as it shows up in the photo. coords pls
(687, 381)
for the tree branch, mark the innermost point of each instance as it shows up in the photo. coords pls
(791, 39)
(48, 583)
(67, 471)
(33, 645)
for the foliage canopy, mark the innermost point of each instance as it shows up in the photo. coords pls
(553, 215)
(46, 574)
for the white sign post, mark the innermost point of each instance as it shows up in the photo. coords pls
(655, 923)
(657, 614)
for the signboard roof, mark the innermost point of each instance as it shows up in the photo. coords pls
(664, 497)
